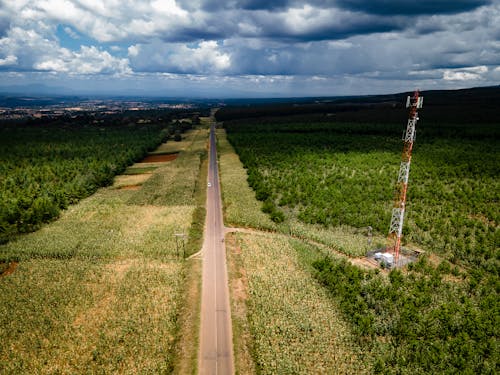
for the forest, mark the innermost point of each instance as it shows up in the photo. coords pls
(47, 165)
(438, 315)
(344, 173)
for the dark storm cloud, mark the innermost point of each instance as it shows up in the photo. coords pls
(411, 7)
(262, 4)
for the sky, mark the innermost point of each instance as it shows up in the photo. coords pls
(248, 48)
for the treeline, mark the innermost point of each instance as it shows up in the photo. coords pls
(44, 168)
(419, 323)
(468, 106)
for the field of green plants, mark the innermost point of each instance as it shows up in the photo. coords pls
(441, 314)
(43, 169)
(334, 174)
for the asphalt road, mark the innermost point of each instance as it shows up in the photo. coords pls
(216, 340)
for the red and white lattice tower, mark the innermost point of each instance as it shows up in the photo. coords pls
(398, 210)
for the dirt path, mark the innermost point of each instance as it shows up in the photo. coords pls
(216, 346)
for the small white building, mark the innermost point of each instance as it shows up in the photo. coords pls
(387, 259)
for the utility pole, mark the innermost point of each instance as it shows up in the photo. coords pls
(398, 210)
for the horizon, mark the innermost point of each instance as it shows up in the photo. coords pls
(247, 48)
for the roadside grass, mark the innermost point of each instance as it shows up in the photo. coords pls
(243, 342)
(240, 206)
(186, 354)
(294, 325)
(101, 289)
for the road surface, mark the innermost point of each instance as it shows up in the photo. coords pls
(216, 340)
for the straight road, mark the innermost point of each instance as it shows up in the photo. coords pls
(216, 338)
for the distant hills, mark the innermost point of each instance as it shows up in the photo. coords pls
(473, 105)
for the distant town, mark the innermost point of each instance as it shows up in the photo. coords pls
(34, 108)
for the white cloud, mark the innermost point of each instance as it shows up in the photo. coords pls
(204, 58)
(133, 50)
(71, 33)
(89, 60)
(465, 74)
(30, 50)
(9, 60)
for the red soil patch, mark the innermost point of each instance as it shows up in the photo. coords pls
(159, 158)
(11, 267)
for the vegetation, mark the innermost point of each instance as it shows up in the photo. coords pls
(45, 168)
(331, 180)
(340, 174)
(418, 323)
(295, 327)
(102, 288)
(240, 206)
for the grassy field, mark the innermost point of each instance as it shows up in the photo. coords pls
(292, 326)
(102, 289)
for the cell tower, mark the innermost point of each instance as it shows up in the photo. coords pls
(398, 210)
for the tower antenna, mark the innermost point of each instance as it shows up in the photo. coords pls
(398, 211)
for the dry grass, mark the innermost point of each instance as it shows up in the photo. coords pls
(130, 180)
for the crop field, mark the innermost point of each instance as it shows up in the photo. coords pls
(331, 180)
(294, 326)
(102, 289)
(45, 168)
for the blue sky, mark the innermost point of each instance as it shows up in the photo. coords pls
(248, 48)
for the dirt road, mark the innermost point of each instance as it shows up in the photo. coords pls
(216, 347)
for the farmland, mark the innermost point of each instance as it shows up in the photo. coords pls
(104, 288)
(45, 168)
(327, 181)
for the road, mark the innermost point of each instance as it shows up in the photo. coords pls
(216, 340)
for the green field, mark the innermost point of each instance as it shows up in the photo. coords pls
(104, 289)
(316, 177)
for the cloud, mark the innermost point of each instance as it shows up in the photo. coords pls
(133, 51)
(202, 58)
(411, 7)
(8, 60)
(71, 33)
(465, 74)
(29, 50)
(334, 43)
(89, 60)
